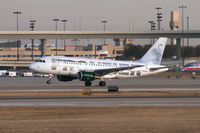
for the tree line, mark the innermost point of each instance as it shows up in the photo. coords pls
(137, 51)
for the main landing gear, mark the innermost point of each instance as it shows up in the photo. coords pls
(101, 83)
(88, 83)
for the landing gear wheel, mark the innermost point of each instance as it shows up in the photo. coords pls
(49, 82)
(102, 83)
(88, 83)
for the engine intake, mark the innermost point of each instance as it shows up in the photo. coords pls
(86, 76)
(65, 78)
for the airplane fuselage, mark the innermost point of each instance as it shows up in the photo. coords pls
(192, 67)
(70, 68)
(60, 65)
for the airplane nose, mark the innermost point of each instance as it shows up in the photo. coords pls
(32, 66)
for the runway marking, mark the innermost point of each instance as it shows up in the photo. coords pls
(92, 97)
(84, 104)
(102, 101)
(99, 90)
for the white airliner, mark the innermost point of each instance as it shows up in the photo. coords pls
(71, 68)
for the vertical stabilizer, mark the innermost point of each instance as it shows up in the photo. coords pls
(155, 53)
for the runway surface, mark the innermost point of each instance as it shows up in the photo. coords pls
(39, 83)
(22, 84)
(100, 101)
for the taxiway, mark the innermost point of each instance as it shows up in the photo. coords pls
(34, 84)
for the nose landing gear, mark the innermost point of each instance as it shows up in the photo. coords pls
(49, 82)
(50, 78)
(88, 83)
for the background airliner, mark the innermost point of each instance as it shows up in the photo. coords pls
(192, 67)
(70, 68)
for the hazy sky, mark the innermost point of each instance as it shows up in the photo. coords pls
(90, 12)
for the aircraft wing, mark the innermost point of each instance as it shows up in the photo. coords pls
(101, 72)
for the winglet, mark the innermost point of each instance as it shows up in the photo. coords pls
(155, 53)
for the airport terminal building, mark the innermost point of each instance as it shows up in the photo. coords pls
(8, 50)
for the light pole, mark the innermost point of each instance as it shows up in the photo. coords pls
(64, 28)
(183, 7)
(104, 28)
(56, 28)
(159, 17)
(32, 26)
(17, 13)
(188, 27)
(153, 27)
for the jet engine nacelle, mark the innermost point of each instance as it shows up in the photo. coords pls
(86, 76)
(65, 78)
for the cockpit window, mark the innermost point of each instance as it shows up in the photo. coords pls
(43, 61)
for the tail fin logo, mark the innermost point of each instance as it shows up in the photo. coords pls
(155, 53)
(160, 46)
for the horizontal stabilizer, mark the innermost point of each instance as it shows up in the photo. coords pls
(157, 68)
